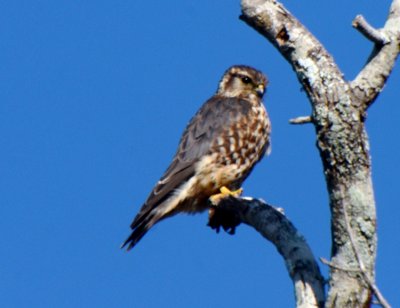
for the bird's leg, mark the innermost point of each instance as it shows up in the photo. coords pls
(224, 193)
(220, 214)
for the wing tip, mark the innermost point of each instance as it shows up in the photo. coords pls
(125, 243)
(139, 230)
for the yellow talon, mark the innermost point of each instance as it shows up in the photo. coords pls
(225, 192)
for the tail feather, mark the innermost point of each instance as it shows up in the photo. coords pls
(139, 230)
(146, 219)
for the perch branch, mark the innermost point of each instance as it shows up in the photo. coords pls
(276, 227)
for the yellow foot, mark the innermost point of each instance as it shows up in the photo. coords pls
(224, 193)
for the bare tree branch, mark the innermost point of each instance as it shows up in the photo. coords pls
(275, 227)
(330, 264)
(338, 114)
(302, 50)
(301, 120)
(369, 32)
(370, 81)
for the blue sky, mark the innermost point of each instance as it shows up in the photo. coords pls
(94, 96)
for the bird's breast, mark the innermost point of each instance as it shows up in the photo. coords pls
(244, 141)
(236, 150)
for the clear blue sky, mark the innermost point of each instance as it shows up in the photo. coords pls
(94, 96)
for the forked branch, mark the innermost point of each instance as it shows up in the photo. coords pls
(338, 114)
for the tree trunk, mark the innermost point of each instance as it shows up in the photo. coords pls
(338, 114)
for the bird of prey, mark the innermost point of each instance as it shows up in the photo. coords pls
(217, 151)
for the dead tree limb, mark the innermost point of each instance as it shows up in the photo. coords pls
(275, 227)
(338, 114)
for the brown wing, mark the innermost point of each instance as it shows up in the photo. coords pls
(209, 122)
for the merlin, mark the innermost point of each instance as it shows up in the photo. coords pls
(217, 151)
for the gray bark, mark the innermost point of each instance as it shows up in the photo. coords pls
(338, 114)
(276, 227)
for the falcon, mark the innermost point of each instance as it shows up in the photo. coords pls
(217, 151)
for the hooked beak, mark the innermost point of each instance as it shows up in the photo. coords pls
(260, 90)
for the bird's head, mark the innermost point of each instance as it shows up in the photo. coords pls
(242, 81)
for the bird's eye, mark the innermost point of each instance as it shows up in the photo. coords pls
(246, 79)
